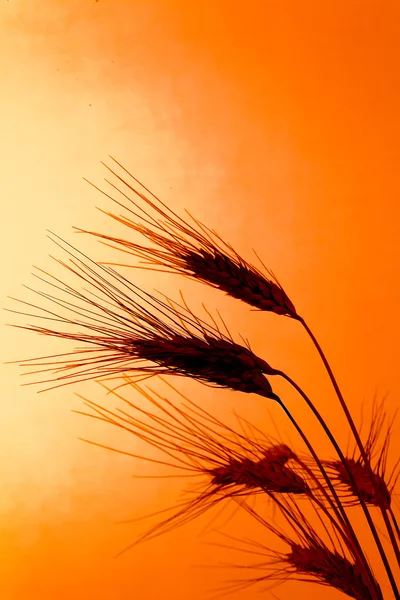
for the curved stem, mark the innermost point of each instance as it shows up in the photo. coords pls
(356, 543)
(354, 431)
(344, 461)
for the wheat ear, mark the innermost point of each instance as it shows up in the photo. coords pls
(192, 250)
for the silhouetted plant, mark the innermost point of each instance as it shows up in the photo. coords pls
(131, 334)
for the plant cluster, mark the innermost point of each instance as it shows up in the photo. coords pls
(130, 334)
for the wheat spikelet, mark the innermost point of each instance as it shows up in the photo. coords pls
(192, 250)
(123, 326)
(371, 487)
(308, 558)
(280, 454)
(229, 462)
(371, 482)
(265, 474)
(328, 568)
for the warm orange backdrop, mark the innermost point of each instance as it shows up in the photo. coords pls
(277, 123)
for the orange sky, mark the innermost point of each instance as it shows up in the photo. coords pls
(276, 123)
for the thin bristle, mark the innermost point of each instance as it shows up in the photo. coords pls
(192, 250)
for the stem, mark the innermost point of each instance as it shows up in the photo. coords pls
(345, 518)
(396, 526)
(343, 459)
(391, 533)
(357, 439)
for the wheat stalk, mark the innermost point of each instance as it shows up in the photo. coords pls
(199, 252)
(114, 322)
(124, 331)
(195, 251)
(196, 444)
(308, 558)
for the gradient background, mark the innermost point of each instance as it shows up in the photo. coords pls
(276, 123)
